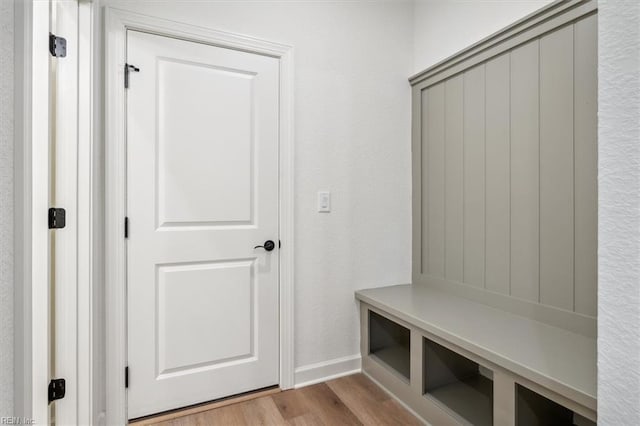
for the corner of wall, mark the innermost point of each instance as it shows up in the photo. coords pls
(6, 201)
(619, 212)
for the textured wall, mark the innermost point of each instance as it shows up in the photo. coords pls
(619, 203)
(443, 27)
(6, 204)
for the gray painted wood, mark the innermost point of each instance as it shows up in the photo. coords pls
(569, 320)
(509, 194)
(586, 165)
(504, 409)
(416, 179)
(556, 169)
(525, 312)
(474, 176)
(416, 362)
(410, 394)
(562, 361)
(498, 164)
(435, 119)
(424, 201)
(454, 174)
(525, 162)
(391, 302)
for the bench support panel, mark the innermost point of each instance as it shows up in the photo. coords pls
(411, 393)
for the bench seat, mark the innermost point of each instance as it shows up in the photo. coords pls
(557, 359)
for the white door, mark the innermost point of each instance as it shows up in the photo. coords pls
(202, 192)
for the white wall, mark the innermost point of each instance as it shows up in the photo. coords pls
(619, 213)
(443, 27)
(6, 203)
(352, 132)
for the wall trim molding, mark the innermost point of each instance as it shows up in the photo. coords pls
(550, 17)
(327, 370)
(117, 23)
(31, 191)
(87, 357)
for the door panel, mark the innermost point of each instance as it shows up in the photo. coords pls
(203, 143)
(193, 297)
(202, 192)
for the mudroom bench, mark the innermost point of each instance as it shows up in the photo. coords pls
(457, 361)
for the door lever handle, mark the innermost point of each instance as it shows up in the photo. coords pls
(268, 245)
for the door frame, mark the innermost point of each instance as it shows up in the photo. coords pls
(31, 234)
(117, 23)
(64, 193)
(36, 124)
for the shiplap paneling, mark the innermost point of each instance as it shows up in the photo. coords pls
(454, 174)
(497, 200)
(435, 179)
(474, 174)
(424, 201)
(586, 165)
(556, 169)
(518, 140)
(525, 173)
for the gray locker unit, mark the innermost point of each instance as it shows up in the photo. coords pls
(499, 323)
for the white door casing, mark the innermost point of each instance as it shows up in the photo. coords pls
(116, 25)
(64, 194)
(33, 324)
(202, 191)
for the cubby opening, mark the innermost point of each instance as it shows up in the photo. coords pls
(463, 386)
(533, 409)
(390, 344)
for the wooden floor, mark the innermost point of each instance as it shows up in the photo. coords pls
(350, 400)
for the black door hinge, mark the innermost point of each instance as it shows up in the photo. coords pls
(56, 389)
(126, 227)
(57, 46)
(57, 218)
(126, 377)
(127, 69)
(279, 244)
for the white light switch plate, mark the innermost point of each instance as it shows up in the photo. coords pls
(324, 201)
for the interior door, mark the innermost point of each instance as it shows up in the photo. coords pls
(202, 193)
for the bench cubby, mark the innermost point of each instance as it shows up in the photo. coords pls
(533, 409)
(389, 343)
(461, 385)
(456, 361)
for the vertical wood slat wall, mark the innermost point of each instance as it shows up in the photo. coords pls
(509, 172)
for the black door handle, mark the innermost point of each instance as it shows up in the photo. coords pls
(268, 245)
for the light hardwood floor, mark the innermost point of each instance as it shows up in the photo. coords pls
(350, 400)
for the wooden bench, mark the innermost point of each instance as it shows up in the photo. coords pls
(439, 354)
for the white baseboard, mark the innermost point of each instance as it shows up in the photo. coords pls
(327, 370)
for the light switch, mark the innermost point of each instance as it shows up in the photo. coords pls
(324, 201)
